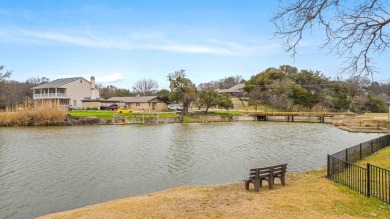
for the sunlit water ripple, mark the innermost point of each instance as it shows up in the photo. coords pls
(51, 169)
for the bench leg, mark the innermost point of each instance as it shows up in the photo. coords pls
(270, 183)
(283, 180)
(246, 185)
(256, 183)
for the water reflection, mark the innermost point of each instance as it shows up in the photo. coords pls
(50, 169)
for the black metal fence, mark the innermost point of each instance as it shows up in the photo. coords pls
(378, 183)
(368, 181)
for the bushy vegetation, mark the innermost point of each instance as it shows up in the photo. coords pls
(211, 98)
(287, 88)
(183, 90)
(374, 104)
(33, 113)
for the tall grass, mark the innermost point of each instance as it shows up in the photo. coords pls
(30, 113)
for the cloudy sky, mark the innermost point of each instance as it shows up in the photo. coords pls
(121, 42)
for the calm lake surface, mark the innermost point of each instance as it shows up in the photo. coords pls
(50, 169)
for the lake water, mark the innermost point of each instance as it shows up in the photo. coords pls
(50, 169)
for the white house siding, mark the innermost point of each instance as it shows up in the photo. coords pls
(78, 90)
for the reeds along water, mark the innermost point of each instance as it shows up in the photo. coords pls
(30, 112)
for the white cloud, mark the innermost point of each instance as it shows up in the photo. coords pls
(151, 41)
(110, 78)
(143, 40)
(183, 48)
(80, 41)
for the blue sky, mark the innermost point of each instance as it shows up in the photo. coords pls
(121, 42)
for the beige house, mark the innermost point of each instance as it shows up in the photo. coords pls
(142, 103)
(68, 92)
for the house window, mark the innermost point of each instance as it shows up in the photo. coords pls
(81, 80)
(137, 104)
(74, 102)
(149, 104)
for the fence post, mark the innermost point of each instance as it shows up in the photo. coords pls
(361, 152)
(383, 142)
(388, 140)
(372, 147)
(346, 157)
(368, 179)
(328, 169)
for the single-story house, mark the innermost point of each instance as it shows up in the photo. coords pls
(236, 90)
(144, 103)
(68, 92)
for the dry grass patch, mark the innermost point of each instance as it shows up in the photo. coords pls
(306, 195)
(369, 122)
(33, 113)
(376, 116)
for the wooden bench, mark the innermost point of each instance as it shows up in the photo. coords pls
(258, 175)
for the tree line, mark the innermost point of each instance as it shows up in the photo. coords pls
(285, 88)
(288, 88)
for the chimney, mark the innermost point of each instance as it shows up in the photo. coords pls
(93, 93)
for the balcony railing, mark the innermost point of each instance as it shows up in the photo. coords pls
(49, 95)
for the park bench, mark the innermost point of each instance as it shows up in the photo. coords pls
(258, 175)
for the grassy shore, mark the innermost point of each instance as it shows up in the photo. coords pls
(106, 114)
(306, 195)
(194, 116)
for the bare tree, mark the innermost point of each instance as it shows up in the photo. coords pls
(145, 87)
(3, 82)
(38, 80)
(5, 75)
(354, 30)
(230, 81)
(224, 83)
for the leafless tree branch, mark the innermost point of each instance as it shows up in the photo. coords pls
(355, 31)
(145, 87)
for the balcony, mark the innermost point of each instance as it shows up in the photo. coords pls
(49, 95)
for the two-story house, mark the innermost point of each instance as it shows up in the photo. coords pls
(67, 92)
